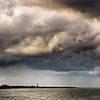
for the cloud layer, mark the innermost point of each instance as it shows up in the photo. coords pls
(67, 37)
(87, 7)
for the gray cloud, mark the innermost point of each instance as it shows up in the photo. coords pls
(35, 31)
(80, 39)
(89, 7)
(85, 6)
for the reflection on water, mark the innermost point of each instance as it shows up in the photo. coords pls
(50, 94)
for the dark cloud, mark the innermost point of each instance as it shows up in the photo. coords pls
(85, 6)
(91, 7)
(58, 61)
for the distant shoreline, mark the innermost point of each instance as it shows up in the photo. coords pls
(19, 87)
(33, 87)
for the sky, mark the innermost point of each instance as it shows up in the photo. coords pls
(50, 42)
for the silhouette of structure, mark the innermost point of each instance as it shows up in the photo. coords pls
(37, 85)
(18, 87)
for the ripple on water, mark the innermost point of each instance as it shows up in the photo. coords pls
(50, 94)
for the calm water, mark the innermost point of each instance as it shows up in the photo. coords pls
(50, 94)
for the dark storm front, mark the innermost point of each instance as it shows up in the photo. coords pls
(50, 94)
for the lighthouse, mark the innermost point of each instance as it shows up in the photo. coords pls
(37, 85)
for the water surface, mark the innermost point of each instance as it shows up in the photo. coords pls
(50, 94)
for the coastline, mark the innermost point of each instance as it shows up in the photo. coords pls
(19, 87)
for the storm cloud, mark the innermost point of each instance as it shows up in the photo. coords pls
(87, 7)
(35, 31)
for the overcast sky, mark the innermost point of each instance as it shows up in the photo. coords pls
(56, 40)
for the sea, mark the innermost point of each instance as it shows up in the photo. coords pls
(50, 94)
